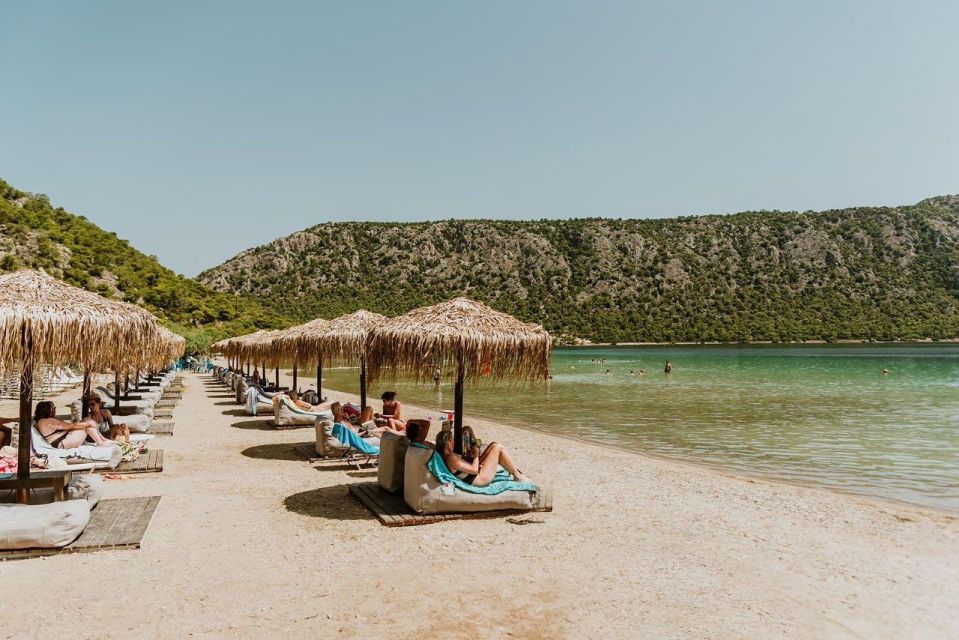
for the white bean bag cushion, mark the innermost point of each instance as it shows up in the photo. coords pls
(392, 461)
(286, 414)
(25, 526)
(424, 494)
(326, 445)
(87, 486)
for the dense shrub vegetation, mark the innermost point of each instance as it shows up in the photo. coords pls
(34, 234)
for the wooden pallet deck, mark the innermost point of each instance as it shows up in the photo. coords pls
(162, 428)
(118, 523)
(392, 511)
(149, 462)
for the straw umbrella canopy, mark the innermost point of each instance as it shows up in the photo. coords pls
(44, 320)
(345, 339)
(480, 342)
(300, 342)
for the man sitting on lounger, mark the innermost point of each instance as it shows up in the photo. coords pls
(481, 470)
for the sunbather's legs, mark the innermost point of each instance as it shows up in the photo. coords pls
(73, 439)
(495, 455)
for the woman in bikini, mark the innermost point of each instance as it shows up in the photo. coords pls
(481, 470)
(64, 435)
(391, 412)
(104, 420)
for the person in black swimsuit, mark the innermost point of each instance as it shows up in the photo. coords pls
(64, 435)
(481, 470)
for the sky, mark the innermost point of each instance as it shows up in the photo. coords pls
(199, 129)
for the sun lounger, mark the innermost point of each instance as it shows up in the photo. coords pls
(287, 414)
(333, 442)
(25, 526)
(257, 405)
(141, 406)
(390, 472)
(424, 493)
(85, 457)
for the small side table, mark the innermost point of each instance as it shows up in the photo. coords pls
(56, 479)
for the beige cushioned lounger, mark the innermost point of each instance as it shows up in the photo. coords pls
(424, 494)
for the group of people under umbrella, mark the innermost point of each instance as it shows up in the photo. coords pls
(468, 337)
(46, 321)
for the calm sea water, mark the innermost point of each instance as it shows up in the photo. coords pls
(822, 415)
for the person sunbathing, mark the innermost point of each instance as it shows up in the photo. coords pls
(104, 420)
(481, 470)
(391, 412)
(64, 435)
(417, 430)
(305, 406)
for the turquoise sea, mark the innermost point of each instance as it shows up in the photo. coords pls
(823, 415)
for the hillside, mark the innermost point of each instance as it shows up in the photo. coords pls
(860, 273)
(34, 234)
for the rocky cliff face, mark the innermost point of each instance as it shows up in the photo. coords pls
(869, 273)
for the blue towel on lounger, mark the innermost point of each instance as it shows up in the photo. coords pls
(502, 481)
(351, 439)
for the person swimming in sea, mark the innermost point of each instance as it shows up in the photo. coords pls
(668, 369)
(885, 372)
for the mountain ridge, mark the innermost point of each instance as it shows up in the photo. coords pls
(874, 273)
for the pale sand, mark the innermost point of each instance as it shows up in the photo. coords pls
(250, 540)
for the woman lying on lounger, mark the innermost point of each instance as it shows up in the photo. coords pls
(295, 399)
(340, 417)
(481, 470)
(104, 420)
(64, 435)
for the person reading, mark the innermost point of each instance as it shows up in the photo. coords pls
(484, 465)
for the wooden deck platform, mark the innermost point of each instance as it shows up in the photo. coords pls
(114, 524)
(162, 428)
(392, 511)
(149, 462)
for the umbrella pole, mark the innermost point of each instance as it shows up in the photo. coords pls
(294, 376)
(458, 412)
(26, 409)
(362, 383)
(276, 377)
(116, 392)
(319, 379)
(262, 378)
(85, 399)
(136, 383)
(126, 387)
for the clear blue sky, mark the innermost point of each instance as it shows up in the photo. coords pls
(198, 129)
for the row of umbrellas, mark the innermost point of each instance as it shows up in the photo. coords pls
(46, 321)
(475, 340)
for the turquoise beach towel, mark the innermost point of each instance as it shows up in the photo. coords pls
(501, 481)
(350, 438)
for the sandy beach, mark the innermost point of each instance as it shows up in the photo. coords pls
(249, 539)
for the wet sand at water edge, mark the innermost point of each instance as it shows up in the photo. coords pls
(250, 539)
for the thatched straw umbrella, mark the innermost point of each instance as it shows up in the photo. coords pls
(345, 339)
(479, 341)
(298, 343)
(43, 320)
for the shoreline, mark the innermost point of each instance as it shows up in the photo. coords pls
(661, 458)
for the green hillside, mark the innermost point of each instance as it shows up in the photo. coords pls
(35, 234)
(862, 273)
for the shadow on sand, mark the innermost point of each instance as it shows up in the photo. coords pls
(255, 425)
(332, 503)
(278, 451)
